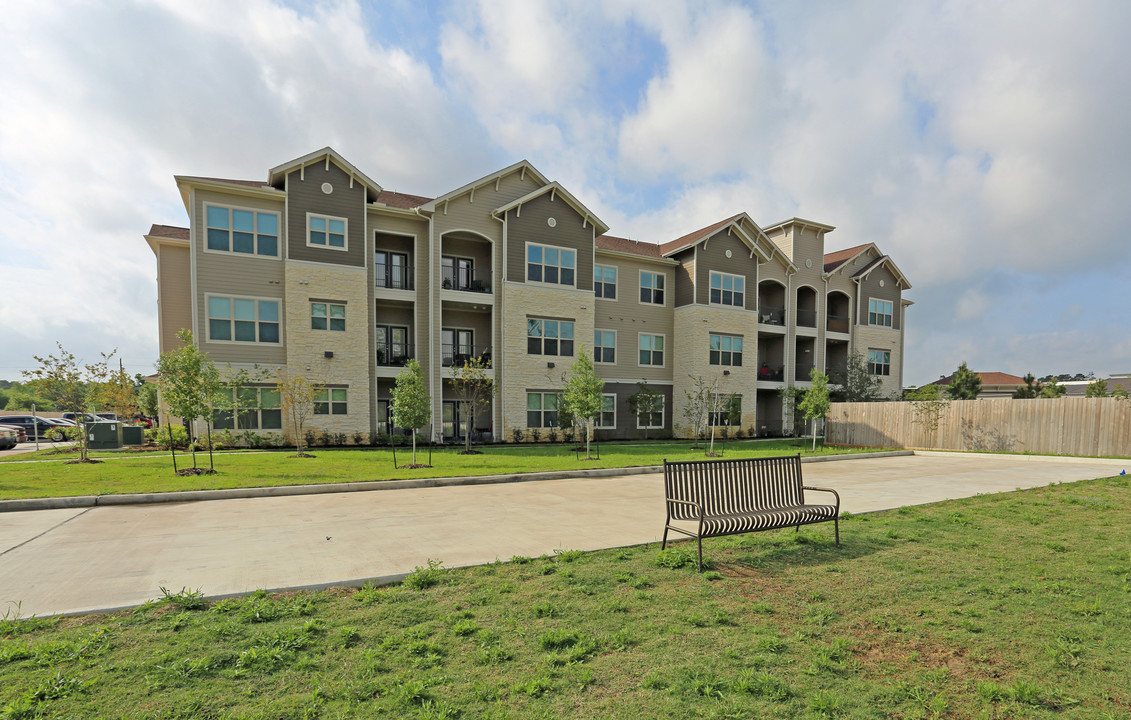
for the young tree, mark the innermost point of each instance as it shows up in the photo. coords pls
(475, 387)
(117, 395)
(965, 385)
(412, 405)
(928, 406)
(721, 409)
(582, 395)
(1097, 388)
(791, 398)
(239, 393)
(1053, 389)
(70, 387)
(859, 384)
(645, 403)
(815, 404)
(296, 395)
(1031, 389)
(147, 400)
(189, 384)
(698, 401)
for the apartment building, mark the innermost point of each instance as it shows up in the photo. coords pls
(320, 271)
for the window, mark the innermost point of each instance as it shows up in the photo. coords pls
(652, 350)
(243, 320)
(651, 288)
(242, 231)
(607, 420)
(325, 231)
(605, 282)
(331, 401)
(391, 270)
(548, 264)
(652, 420)
(259, 409)
(879, 362)
(729, 413)
(327, 316)
(726, 350)
(456, 273)
(604, 346)
(728, 289)
(549, 337)
(541, 409)
(879, 312)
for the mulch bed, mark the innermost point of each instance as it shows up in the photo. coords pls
(80, 461)
(417, 466)
(302, 455)
(196, 471)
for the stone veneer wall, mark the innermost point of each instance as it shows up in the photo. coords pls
(877, 338)
(690, 358)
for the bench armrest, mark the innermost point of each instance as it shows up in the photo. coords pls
(828, 490)
(697, 506)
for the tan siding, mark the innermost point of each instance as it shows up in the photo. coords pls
(712, 257)
(174, 294)
(629, 317)
(531, 226)
(304, 194)
(685, 277)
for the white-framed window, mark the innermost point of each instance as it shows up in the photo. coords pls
(605, 281)
(651, 350)
(652, 420)
(327, 316)
(727, 289)
(605, 346)
(242, 319)
(725, 350)
(238, 230)
(607, 420)
(549, 264)
(651, 288)
(879, 362)
(729, 414)
(879, 312)
(549, 337)
(327, 231)
(259, 409)
(541, 409)
(331, 401)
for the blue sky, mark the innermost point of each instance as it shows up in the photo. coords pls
(982, 145)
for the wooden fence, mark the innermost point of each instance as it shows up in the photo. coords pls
(1062, 426)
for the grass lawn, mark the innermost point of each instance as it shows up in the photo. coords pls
(1004, 606)
(153, 471)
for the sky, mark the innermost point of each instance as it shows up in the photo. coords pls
(983, 146)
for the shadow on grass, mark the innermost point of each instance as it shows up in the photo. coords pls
(785, 551)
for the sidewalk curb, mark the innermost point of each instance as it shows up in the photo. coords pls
(88, 501)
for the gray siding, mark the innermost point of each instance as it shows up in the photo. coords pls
(532, 226)
(304, 195)
(685, 278)
(712, 257)
(870, 288)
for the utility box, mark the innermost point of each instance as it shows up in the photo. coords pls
(133, 435)
(104, 436)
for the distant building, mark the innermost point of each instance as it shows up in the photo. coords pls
(1077, 388)
(994, 384)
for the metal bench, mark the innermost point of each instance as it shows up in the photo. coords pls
(729, 497)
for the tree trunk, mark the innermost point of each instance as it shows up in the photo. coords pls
(470, 419)
(813, 427)
(172, 448)
(588, 428)
(414, 447)
(211, 464)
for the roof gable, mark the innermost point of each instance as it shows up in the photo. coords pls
(842, 258)
(327, 154)
(555, 189)
(746, 229)
(884, 261)
(522, 166)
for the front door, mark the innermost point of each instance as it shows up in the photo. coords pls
(454, 420)
(456, 346)
(392, 345)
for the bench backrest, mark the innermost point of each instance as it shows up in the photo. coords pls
(725, 487)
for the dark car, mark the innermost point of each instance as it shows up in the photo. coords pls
(35, 426)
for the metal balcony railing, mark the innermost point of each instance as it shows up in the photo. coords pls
(801, 371)
(772, 374)
(466, 280)
(396, 277)
(457, 355)
(769, 315)
(837, 323)
(807, 318)
(394, 354)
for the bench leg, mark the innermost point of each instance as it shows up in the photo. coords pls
(836, 526)
(664, 542)
(700, 539)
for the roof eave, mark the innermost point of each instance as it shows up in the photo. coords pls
(636, 256)
(277, 173)
(474, 184)
(556, 188)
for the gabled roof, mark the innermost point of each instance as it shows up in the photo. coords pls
(834, 260)
(226, 181)
(691, 238)
(803, 222)
(403, 201)
(624, 245)
(884, 260)
(169, 231)
(987, 378)
(682, 243)
(277, 173)
(555, 189)
(522, 166)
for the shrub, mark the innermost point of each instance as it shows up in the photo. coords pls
(516, 435)
(535, 435)
(360, 438)
(552, 435)
(160, 436)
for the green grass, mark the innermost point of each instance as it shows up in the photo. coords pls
(954, 610)
(146, 472)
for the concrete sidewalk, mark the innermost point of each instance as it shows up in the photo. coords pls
(105, 557)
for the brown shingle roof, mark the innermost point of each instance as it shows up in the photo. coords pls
(169, 231)
(403, 201)
(834, 260)
(988, 378)
(619, 244)
(693, 237)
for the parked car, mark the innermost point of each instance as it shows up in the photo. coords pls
(21, 435)
(9, 436)
(36, 426)
(90, 418)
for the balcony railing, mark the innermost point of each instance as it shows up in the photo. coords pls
(838, 373)
(396, 277)
(466, 280)
(837, 323)
(769, 315)
(807, 318)
(771, 374)
(801, 371)
(457, 355)
(394, 354)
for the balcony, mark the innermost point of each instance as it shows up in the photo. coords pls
(393, 277)
(466, 280)
(806, 318)
(394, 354)
(837, 323)
(801, 371)
(458, 355)
(769, 315)
(837, 372)
(768, 374)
